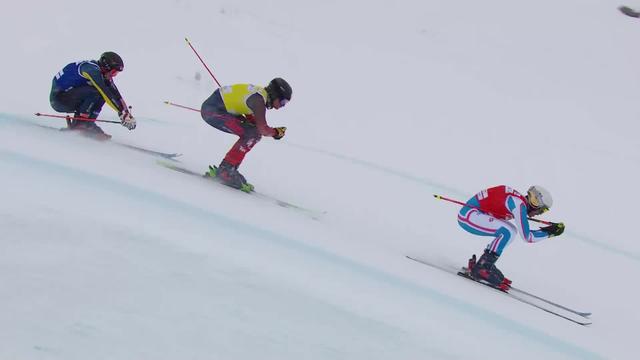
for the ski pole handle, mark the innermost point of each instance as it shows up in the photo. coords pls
(439, 197)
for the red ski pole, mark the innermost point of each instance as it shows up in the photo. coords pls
(68, 117)
(221, 116)
(202, 61)
(439, 197)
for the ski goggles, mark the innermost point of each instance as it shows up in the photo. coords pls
(532, 211)
(113, 72)
(535, 199)
(283, 102)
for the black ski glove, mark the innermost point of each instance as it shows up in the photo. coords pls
(279, 132)
(555, 229)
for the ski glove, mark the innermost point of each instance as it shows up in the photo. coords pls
(555, 229)
(279, 132)
(127, 120)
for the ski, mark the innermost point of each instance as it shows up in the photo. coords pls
(580, 313)
(168, 156)
(629, 11)
(463, 273)
(314, 214)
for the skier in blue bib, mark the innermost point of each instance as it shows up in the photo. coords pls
(83, 87)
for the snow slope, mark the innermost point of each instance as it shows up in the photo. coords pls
(107, 255)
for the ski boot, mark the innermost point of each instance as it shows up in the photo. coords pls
(229, 175)
(88, 128)
(505, 285)
(485, 269)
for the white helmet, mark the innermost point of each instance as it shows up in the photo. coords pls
(539, 197)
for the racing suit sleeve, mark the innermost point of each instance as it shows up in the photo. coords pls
(519, 211)
(106, 88)
(256, 103)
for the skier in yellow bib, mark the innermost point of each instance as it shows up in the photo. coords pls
(240, 109)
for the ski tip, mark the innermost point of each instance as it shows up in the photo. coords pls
(248, 188)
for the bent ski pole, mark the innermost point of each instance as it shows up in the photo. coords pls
(68, 117)
(439, 197)
(202, 61)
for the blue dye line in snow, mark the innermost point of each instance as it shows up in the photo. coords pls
(386, 170)
(258, 234)
(604, 246)
(440, 187)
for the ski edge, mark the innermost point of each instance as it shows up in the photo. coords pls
(168, 156)
(513, 296)
(584, 314)
(313, 214)
(581, 313)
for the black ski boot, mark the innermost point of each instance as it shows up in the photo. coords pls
(87, 128)
(486, 270)
(230, 176)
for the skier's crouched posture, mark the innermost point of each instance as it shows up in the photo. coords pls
(240, 109)
(490, 212)
(83, 87)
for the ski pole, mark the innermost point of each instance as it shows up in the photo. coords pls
(439, 197)
(220, 116)
(181, 106)
(68, 117)
(202, 61)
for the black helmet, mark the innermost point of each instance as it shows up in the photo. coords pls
(111, 61)
(278, 88)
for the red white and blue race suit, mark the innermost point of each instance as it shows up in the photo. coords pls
(490, 213)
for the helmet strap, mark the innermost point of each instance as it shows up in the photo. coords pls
(270, 99)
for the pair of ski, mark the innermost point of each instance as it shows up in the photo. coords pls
(168, 156)
(551, 307)
(314, 214)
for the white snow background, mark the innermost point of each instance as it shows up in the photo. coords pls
(106, 255)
